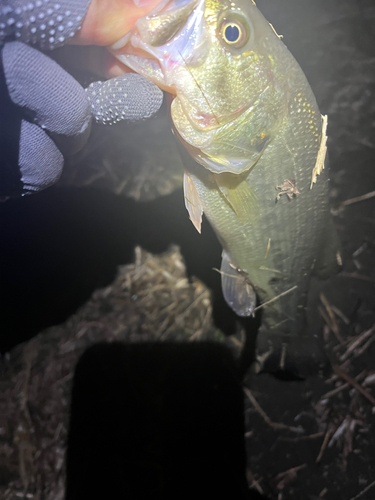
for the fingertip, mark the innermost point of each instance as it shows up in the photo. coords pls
(40, 161)
(128, 97)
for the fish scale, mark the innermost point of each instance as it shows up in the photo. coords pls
(256, 141)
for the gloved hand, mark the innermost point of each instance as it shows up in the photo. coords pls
(44, 112)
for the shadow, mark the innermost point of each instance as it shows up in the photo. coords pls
(157, 421)
(62, 244)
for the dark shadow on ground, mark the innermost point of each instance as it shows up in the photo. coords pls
(62, 244)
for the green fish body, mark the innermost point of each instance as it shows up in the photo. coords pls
(256, 141)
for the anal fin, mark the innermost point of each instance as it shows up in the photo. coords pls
(237, 291)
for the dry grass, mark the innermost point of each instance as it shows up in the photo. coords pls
(150, 300)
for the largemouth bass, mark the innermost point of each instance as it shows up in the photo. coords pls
(247, 116)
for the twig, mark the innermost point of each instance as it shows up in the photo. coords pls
(302, 438)
(361, 493)
(340, 314)
(332, 319)
(344, 366)
(352, 382)
(359, 340)
(339, 431)
(331, 325)
(288, 476)
(324, 444)
(329, 318)
(275, 298)
(360, 351)
(366, 196)
(359, 250)
(268, 248)
(252, 482)
(266, 418)
(327, 395)
(370, 379)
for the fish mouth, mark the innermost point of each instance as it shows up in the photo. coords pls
(144, 63)
(148, 51)
(150, 67)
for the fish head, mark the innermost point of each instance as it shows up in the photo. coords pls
(221, 60)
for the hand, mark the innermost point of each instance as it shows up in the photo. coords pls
(107, 22)
(45, 113)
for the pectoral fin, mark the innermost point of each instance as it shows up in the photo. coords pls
(239, 195)
(192, 202)
(237, 291)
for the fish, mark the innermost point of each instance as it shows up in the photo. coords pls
(255, 158)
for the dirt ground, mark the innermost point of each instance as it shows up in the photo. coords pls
(61, 290)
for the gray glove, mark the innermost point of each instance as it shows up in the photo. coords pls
(44, 112)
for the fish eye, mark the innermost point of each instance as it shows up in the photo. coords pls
(234, 33)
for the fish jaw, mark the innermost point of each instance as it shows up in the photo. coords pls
(145, 55)
(220, 93)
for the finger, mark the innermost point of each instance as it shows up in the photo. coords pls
(45, 24)
(127, 97)
(55, 100)
(107, 21)
(40, 161)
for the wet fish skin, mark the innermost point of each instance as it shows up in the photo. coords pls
(249, 119)
(229, 101)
